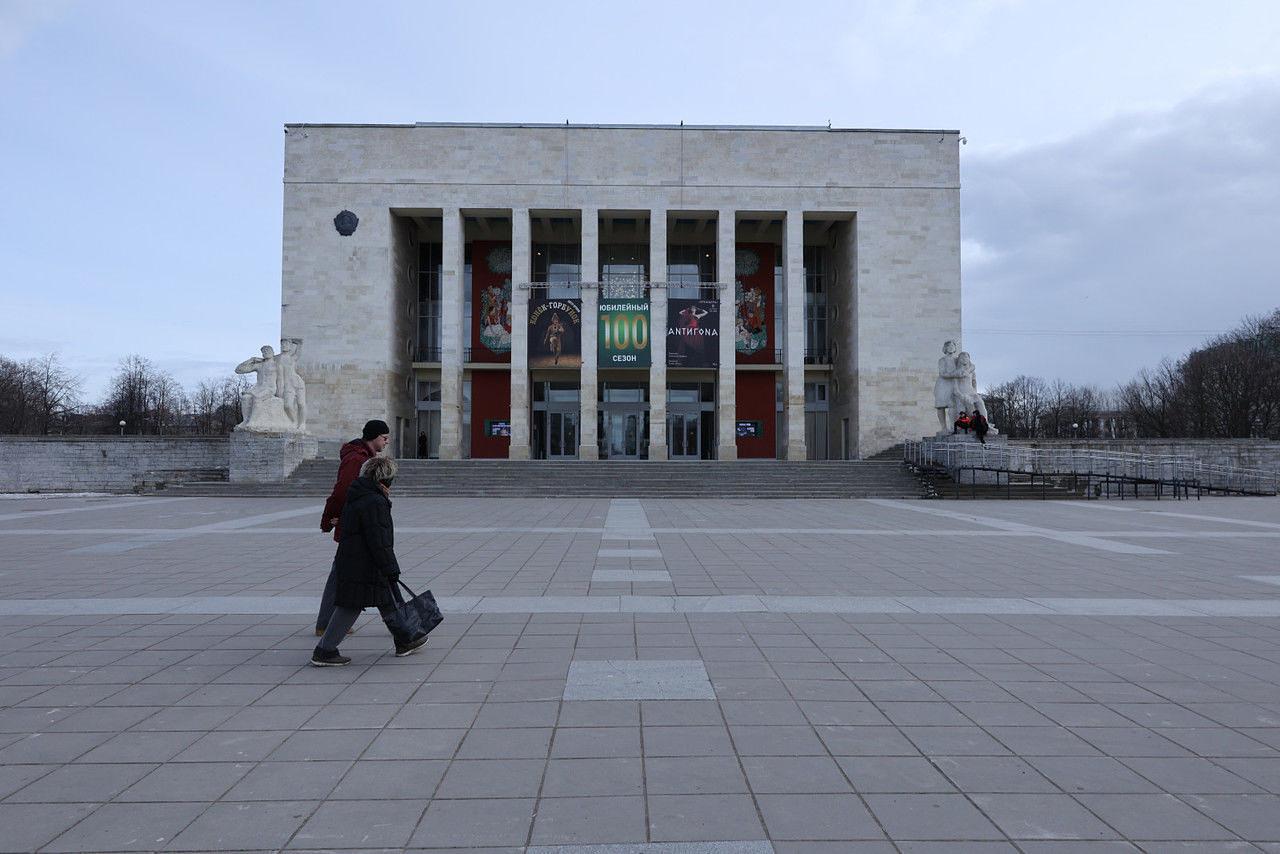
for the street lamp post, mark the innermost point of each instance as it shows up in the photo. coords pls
(122, 428)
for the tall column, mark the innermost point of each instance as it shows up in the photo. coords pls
(452, 299)
(793, 357)
(658, 335)
(520, 275)
(727, 408)
(587, 388)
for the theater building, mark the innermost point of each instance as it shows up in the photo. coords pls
(621, 292)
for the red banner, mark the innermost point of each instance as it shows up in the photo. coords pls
(753, 325)
(490, 301)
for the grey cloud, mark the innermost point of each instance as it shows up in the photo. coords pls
(1154, 221)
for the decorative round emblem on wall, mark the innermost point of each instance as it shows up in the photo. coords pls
(346, 223)
(746, 262)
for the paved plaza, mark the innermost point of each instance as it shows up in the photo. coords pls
(648, 677)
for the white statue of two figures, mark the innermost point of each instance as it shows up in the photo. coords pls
(956, 389)
(277, 403)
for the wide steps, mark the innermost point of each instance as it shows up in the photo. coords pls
(743, 479)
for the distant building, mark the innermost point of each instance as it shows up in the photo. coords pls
(553, 291)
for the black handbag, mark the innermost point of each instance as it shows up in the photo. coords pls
(414, 618)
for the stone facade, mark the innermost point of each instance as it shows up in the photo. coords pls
(268, 457)
(893, 197)
(105, 463)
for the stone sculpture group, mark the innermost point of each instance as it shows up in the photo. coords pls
(956, 389)
(277, 403)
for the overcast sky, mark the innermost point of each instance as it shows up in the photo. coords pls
(1121, 182)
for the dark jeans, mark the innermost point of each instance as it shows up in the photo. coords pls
(341, 622)
(326, 598)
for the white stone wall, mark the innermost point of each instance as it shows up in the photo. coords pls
(104, 463)
(342, 294)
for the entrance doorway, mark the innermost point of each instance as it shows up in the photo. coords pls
(625, 433)
(691, 420)
(623, 420)
(556, 407)
(684, 432)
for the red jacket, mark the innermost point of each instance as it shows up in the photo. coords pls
(352, 456)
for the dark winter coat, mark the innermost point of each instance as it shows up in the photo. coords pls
(352, 457)
(366, 563)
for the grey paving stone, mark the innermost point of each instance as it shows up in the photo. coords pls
(28, 827)
(1042, 816)
(703, 818)
(794, 774)
(1249, 816)
(687, 741)
(474, 823)
(488, 778)
(288, 781)
(817, 817)
(575, 820)
(931, 817)
(81, 783)
(360, 825)
(697, 775)
(127, 827)
(638, 680)
(244, 826)
(1091, 774)
(1154, 817)
(390, 779)
(415, 744)
(586, 777)
(186, 781)
(753, 847)
(595, 742)
(892, 774)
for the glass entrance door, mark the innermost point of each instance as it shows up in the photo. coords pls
(684, 432)
(562, 435)
(624, 433)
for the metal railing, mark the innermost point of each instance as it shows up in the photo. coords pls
(1182, 473)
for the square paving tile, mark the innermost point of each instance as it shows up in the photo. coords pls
(127, 827)
(474, 823)
(250, 826)
(931, 817)
(694, 775)
(360, 825)
(574, 820)
(817, 817)
(703, 818)
(638, 680)
(1042, 816)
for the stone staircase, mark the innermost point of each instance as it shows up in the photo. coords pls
(605, 479)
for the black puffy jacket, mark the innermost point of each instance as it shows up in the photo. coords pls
(366, 561)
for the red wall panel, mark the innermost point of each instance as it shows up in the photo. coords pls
(757, 402)
(490, 399)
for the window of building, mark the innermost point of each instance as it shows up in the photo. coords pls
(624, 270)
(817, 287)
(429, 309)
(687, 268)
(559, 266)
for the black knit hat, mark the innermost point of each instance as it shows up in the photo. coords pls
(373, 429)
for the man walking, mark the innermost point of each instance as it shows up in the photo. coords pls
(354, 454)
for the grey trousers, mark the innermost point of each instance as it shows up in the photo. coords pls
(326, 598)
(340, 623)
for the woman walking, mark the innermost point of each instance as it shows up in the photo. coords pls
(366, 566)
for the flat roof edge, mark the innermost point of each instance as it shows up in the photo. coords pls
(573, 126)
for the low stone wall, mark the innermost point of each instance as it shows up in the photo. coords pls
(105, 463)
(1239, 453)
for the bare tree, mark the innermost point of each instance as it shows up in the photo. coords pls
(1016, 407)
(54, 391)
